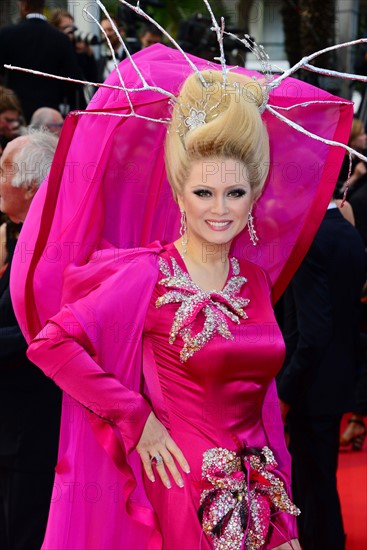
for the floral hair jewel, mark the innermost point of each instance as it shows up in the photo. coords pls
(196, 117)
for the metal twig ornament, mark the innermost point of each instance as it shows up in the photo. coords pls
(268, 83)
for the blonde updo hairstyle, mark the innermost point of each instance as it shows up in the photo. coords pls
(233, 128)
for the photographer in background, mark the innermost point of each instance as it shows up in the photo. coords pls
(105, 62)
(134, 25)
(35, 44)
(64, 22)
(195, 37)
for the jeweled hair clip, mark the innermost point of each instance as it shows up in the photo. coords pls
(194, 116)
(195, 119)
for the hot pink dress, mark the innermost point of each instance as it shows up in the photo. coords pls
(214, 399)
(77, 265)
(209, 394)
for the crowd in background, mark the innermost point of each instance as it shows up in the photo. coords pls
(32, 111)
(34, 43)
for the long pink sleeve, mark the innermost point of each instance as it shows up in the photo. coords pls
(69, 361)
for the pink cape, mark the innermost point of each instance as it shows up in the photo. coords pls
(108, 191)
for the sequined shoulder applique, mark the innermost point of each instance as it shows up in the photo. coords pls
(217, 306)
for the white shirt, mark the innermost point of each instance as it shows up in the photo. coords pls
(36, 16)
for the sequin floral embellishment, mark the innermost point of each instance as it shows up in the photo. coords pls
(217, 306)
(243, 491)
(195, 119)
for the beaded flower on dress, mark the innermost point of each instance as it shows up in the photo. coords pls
(244, 491)
(217, 306)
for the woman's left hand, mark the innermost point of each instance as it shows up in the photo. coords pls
(155, 442)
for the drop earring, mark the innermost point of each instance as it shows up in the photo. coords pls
(251, 228)
(183, 232)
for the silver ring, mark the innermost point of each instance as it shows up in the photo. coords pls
(156, 460)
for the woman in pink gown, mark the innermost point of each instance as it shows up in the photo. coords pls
(171, 431)
(205, 380)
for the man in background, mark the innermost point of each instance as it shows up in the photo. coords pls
(316, 384)
(35, 44)
(105, 63)
(150, 35)
(48, 118)
(30, 403)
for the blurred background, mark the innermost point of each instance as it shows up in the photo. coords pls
(288, 29)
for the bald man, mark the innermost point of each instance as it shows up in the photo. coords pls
(45, 117)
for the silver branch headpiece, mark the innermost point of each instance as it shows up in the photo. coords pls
(197, 113)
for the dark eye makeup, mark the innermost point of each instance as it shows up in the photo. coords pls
(236, 193)
(203, 193)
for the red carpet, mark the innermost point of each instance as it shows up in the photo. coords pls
(352, 484)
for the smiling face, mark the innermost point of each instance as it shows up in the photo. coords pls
(217, 198)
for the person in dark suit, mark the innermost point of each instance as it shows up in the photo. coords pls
(30, 403)
(105, 64)
(316, 385)
(35, 44)
(358, 202)
(64, 22)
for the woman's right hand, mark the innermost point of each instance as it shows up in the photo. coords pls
(156, 441)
